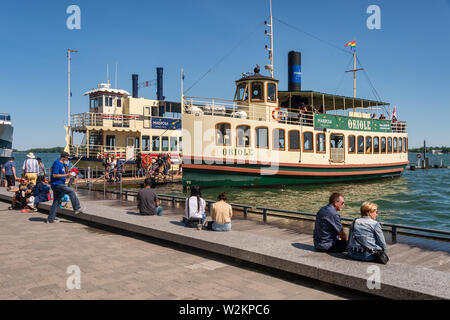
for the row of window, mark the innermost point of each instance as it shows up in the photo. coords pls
(256, 91)
(359, 144)
(106, 101)
(158, 143)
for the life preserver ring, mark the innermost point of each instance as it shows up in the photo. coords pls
(146, 161)
(419, 156)
(277, 114)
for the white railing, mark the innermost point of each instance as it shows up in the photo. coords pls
(260, 112)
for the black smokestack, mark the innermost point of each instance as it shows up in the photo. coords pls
(159, 81)
(134, 78)
(295, 71)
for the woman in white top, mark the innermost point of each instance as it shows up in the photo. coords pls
(195, 206)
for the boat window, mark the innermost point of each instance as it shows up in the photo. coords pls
(145, 143)
(294, 140)
(119, 102)
(223, 134)
(262, 137)
(308, 141)
(405, 144)
(278, 139)
(320, 147)
(180, 144)
(173, 144)
(376, 145)
(271, 92)
(389, 144)
(100, 101)
(241, 92)
(351, 144)
(243, 136)
(257, 91)
(383, 145)
(360, 144)
(337, 141)
(156, 143)
(110, 142)
(165, 143)
(395, 144)
(108, 101)
(400, 145)
(368, 144)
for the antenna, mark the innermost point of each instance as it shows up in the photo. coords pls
(115, 83)
(107, 73)
(270, 34)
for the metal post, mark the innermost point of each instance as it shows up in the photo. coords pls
(89, 178)
(104, 187)
(265, 215)
(394, 234)
(245, 212)
(120, 189)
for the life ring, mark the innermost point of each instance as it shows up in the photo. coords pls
(277, 114)
(419, 156)
(146, 161)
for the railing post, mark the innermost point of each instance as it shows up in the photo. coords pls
(245, 212)
(89, 178)
(265, 215)
(173, 201)
(104, 186)
(394, 234)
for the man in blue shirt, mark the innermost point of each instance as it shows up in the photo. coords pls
(58, 183)
(329, 235)
(9, 169)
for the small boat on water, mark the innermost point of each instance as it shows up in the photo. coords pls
(6, 137)
(267, 136)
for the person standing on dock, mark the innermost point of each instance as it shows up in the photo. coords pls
(9, 169)
(58, 177)
(30, 168)
(329, 235)
(148, 202)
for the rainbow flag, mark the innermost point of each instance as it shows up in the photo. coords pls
(352, 45)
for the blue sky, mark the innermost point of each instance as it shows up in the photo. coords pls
(407, 60)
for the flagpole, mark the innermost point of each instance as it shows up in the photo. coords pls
(182, 93)
(68, 84)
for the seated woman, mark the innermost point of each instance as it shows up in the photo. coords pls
(41, 191)
(221, 214)
(366, 231)
(194, 208)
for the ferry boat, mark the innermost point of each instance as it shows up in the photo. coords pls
(266, 136)
(125, 126)
(6, 137)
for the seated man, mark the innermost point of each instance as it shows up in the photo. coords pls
(148, 202)
(328, 228)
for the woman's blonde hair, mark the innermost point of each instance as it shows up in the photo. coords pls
(367, 207)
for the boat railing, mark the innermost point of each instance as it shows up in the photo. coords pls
(100, 151)
(399, 127)
(256, 111)
(4, 117)
(104, 119)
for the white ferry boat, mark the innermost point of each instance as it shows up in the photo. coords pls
(266, 136)
(6, 137)
(124, 126)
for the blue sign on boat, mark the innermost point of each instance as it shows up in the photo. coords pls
(166, 124)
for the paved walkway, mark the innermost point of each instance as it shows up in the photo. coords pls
(34, 257)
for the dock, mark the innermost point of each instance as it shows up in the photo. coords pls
(419, 268)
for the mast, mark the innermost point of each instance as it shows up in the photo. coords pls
(354, 74)
(68, 84)
(270, 34)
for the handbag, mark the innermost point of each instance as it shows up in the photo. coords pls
(379, 255)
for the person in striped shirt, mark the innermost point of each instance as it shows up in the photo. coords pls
(30, 168)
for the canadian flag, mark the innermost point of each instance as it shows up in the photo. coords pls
(394, 116)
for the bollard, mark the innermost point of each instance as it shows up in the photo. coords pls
(245, 212)
(265, 215)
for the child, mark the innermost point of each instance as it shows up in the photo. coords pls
(22, 196)
(41, 191)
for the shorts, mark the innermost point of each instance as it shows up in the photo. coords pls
(11, 181)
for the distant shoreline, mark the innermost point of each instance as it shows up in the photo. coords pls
(41, 150)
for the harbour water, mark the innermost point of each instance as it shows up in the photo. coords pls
(418, 198)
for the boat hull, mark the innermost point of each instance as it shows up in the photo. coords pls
(256, 175)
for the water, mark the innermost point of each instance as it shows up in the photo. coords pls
(418, 198)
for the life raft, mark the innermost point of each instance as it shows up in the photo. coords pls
(278, 114)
